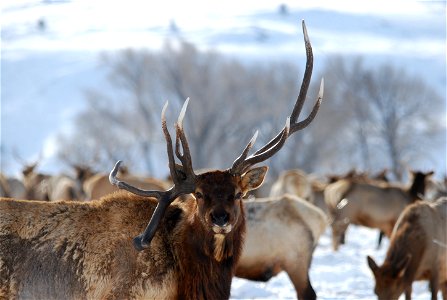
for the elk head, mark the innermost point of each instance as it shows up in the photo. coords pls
(390, 277)
(218, 194)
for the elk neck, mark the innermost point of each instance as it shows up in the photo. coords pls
(417, 188)
(202, 275)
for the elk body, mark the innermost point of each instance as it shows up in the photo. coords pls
(282, 233)
(370, 204)
(302, 185)
(295, 182)
(35, 183)
(189, 249)
(11, 187)
(74, 250)
(417, 251)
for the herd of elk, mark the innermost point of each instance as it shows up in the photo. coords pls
(189, 249)
(371, 204)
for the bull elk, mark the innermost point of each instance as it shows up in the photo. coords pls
(189, 249)
(417, 251)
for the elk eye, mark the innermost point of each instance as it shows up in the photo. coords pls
(198, 195)
(238, 196)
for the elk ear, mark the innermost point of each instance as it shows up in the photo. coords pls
(372, 264)
(253, 178)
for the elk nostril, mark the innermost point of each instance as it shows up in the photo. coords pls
(220, 218)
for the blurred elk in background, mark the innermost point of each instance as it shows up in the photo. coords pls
(372, 204)
(282, 234)
(294, 182)
(11, 187)
(99, 185)
(305, 186)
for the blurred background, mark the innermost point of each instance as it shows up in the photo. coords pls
(83, 82)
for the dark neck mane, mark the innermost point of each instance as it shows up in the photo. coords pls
(201, 275)
(417, 188)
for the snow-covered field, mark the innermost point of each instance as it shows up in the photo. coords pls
(334, 275)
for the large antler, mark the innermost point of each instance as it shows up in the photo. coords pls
(182, 175)
(243, 163)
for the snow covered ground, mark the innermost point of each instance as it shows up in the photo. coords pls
(334, 275)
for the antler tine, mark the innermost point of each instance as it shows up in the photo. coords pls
(242, 166)
(185, 155)
(171, 159)
(306, 77)
(244, 154)
(303, 124)
(242, 163)
(182, 175)
(300, 125)
(125, 186)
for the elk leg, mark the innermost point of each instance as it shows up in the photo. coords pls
(408, 291)
(298, 272)
(444, 290)
(434, 286)
(338, 234)
(379, 242)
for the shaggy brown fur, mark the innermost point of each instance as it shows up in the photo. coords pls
(74, 250)
(417, 252)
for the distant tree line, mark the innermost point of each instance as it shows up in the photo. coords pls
(371, 117)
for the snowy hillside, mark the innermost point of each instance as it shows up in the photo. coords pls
(50, 48)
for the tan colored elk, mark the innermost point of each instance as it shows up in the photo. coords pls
(370, 204)
(35, 183)
(189, 249)
(417, 251)
(282, 233)
(302, 185)
(11, 187)
(295, 182)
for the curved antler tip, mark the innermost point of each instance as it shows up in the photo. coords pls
(321, 91)
(138, 243)
(112, 175)
(253, 139)
(165, 106)
(118, 164)
(306, 37)
(182, 113)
